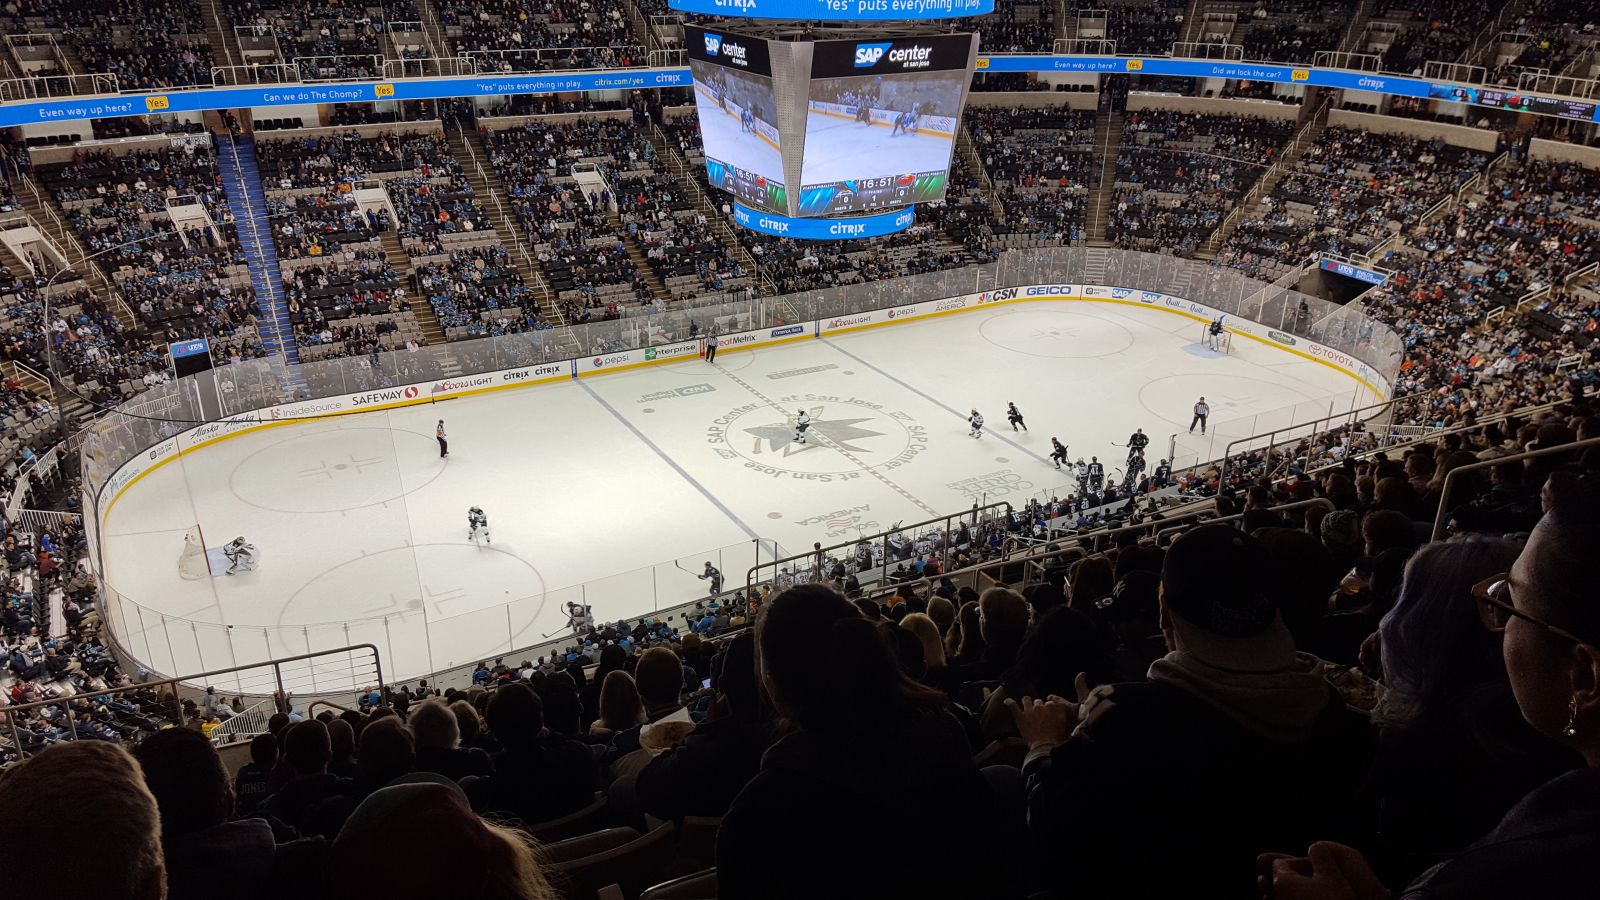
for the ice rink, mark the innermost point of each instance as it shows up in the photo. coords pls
(617, 488)
(839, 149)
(726, 142)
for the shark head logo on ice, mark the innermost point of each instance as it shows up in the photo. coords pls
(713, 43)
(867, 55)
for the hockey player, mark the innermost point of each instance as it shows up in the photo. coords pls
(801, 423)
(1014, 416)
(240, 554)
(1138, 441)
(1135, 467)
(747, 122)
(1080, 470)
(1058, 452)
(864, 114)
(976, 421)
(899, 124)
(1097, 473)
(1214, 333)
(579, 618)
(1162, 475)
(715, 575)
(477, 520)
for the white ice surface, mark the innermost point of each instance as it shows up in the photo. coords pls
(620, 483)
(840, 149)
(725, 141)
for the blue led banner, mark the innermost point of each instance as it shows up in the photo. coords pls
(32, 111)
(837, 10)
(1356, 272)
(1332, 78)
(814, 229)
(355, 92)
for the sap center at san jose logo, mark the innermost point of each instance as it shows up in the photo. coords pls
(713, 43)
(846, 434)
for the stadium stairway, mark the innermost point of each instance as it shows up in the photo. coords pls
(241, 181)
(1108, 141)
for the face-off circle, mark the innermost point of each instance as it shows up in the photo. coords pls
(846, 436)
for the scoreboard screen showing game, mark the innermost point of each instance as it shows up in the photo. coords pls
(881, 120)
(738, 117)
(1549, 106)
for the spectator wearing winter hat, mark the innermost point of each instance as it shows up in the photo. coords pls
(1228, 718)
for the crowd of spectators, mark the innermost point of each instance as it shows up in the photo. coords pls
(1146, 28)
(180, 284)
(1347, 192)
(1527, 229)
(50, 647)
(1432, 30)
(1042, 163)
(1293, 31)
(521, 36)
(1179, 174)
(147, 44)
(1435, 689)
(1547, 35)
(575, 238)
(680, 244)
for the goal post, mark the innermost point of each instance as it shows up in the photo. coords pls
(1224, 340)
(193, 562)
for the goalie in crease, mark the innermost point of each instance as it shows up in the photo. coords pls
(241, 556)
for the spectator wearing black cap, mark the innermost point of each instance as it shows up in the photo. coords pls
(1234, 721)
(1133, 612)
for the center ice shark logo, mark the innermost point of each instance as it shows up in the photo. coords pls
(846, 435)
(867, 55)
(713, 43)
(842, 433)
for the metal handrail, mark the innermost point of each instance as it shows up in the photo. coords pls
(1450, 477)
(752, 576)
(14, 713)
(1322, 502)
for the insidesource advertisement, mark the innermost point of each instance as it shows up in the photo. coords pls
(738, 116)
(881, 120)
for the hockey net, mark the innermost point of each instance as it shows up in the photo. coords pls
(1224, 340)
(193, 563)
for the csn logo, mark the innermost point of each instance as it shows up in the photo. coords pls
(867, 55)
(713, 43)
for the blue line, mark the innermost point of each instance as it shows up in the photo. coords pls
(669, 461)
(952, 411)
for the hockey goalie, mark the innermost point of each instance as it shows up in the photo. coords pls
(241, 556)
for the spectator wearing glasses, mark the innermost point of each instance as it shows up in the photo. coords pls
(1549, 623)
(1454, 753)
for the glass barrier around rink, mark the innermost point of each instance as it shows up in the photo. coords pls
(427, 638)
(252, 384)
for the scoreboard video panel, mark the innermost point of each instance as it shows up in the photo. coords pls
(881, 120)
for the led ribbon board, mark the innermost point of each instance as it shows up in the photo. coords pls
(815, 229)
(837, 10)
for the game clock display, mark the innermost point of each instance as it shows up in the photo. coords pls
(860, 194)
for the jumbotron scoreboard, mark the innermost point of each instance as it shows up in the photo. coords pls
(833, 138)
